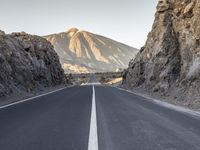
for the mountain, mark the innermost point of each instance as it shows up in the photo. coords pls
(83, 52)
(28, 63)
(169, 63)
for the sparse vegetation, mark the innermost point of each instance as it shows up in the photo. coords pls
(102, 77)
(108, 77)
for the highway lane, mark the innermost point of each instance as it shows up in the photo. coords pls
(58, 121)
(130, 122)
(125, 121)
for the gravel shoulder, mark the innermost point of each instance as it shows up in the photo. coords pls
(164, 98)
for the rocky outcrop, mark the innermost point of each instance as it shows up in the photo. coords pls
(27, 63)
(2, 33)
(169, 63)
(84, 52)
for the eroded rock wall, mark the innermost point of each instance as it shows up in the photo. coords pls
(169, 63)
(27, 63)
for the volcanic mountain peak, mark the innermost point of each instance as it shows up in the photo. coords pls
(88, 52)
(72, 31)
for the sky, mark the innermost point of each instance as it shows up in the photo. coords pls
(126, 21)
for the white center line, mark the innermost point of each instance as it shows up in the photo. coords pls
(93, 137)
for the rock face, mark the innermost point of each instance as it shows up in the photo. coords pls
(84, 52)
(27, 63)
(169, 63)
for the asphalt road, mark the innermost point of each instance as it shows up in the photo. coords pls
(62, 121)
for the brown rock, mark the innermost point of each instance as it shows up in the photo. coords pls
(188, 11)
(163, 5)
(2, 33)
(28, 63)
(170, 59)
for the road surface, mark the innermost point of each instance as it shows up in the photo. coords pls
(96, 117)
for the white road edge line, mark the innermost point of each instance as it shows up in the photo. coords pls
(165, 104)
(31, 98)
(93, 137)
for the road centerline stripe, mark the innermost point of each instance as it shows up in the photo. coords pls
(93, 137)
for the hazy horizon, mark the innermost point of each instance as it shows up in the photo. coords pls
(127, 21)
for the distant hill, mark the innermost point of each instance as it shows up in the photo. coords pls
(83, 52)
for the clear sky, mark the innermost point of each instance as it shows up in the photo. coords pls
(127, 21)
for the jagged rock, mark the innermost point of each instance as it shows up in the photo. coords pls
(170, 60)
(2, 90)
(163, 5)
(189, 8)
(27, 63)
(2, 32)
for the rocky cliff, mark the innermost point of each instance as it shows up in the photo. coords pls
(169, 63)
(27, 63)
(84, 52)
